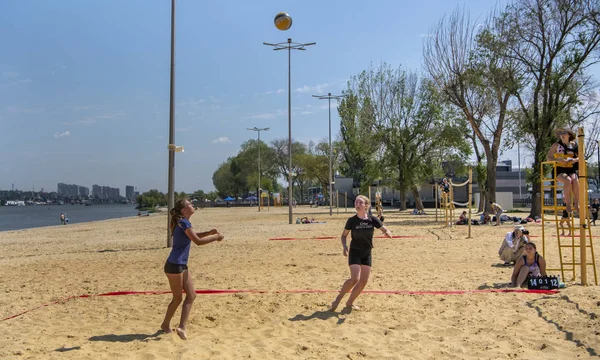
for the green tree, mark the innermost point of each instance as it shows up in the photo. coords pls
(358, 148)
(407, 121)
(223, 179)
(554, 42)
(281, 153)
(151, 199)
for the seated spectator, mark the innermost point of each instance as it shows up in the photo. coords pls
(485, 218)
(513, 245)
(463, 219)
(529, 265)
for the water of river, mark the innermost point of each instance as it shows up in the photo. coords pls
(24, 217)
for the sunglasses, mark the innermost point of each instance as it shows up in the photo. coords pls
(562, 133)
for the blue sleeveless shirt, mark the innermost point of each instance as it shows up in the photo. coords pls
(181, 244)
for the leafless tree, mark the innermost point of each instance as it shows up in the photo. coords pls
(464, 61)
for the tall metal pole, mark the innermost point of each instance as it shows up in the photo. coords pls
(330, 161)
(259, 190)
(290, 129)
(598, 183)
(519, 156)
(329, 97)
(289, 45)
(171, 195)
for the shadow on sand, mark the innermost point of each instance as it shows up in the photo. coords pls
(323, 315)
(494, 286)
(127, 337)
(569, 336)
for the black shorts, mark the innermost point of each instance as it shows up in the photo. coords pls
(171, 268)
(359, 257)
(567, 171)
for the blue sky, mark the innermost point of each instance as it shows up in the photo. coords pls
(84, 84)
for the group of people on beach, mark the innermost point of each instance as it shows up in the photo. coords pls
(516, 248)
(360, 227)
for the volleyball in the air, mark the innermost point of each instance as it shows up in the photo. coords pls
(283, 21)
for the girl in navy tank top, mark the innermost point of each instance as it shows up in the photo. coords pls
(531, 264)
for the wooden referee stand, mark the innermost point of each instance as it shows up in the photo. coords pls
(552, 213)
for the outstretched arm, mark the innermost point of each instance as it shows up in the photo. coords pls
(206, 233)
(387, 232)
(204, 240)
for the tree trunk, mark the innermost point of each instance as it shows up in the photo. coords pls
(482, 200)
(490, 182)
(417, 196)
(402, 200)
(537, 195)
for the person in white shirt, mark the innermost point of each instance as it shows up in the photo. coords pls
(513, 245)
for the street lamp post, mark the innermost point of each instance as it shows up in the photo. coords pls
(329, 97)
(259, 191)
(289, 45)
(172, 148)
(519, 156)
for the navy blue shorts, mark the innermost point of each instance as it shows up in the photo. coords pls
(171, 268)
(359, 257)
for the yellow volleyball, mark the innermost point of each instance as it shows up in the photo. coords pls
(283, 21)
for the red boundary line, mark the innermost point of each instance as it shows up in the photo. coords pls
(233, 291)
(337, 237)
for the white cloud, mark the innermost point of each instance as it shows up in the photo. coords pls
(16, 109)
(94, 118)
(65, 134)
(280, 91)
(192, 102)
(10, 74)
(306, 113)
(313, 89)
(221, 140)
(185, 129)
(269, 115)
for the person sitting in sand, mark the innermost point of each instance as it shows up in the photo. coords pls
(485, 218)
(513, 245)
(361, 227)
(463, 219)
(529, 265)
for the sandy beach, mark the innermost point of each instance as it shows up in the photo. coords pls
(44, 265)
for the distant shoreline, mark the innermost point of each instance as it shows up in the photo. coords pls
(80, 223)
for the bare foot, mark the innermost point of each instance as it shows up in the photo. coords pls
(333, 306)
(181, 333)
(353, 307)
(166, 328)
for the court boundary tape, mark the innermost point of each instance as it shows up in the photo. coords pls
(337, 237)
(237, 291)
